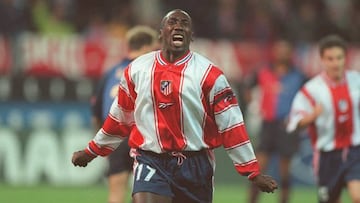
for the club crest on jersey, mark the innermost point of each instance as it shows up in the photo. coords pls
(165, 87)
(343, 105)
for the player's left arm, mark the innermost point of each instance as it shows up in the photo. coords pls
(231, 127)
(236, 142)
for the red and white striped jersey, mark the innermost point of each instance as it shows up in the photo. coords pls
(187, 105)
(338, 126)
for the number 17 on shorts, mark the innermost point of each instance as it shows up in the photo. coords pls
(144, 172)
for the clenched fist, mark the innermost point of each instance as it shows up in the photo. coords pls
(265, 183)
(81, 158)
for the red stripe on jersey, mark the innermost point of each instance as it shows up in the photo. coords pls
(136, 139)
(205, 91)
(312, 127)
(234, 136)
(114, 128)
(253, 175)
(211, 136)
(247, 169)
(342, 106)
(312, 130)
(308, 96)
(130, 83)
(209, 79)
(166, 87)
(102, 151)
(124, 100)
(224, 100)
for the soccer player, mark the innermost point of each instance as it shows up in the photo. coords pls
(177, 107)
(329, 104)
(139, 40)
(278, 83)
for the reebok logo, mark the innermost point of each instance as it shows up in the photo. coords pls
(164, 105)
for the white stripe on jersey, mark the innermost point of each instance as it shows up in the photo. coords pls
(229, 113)
(102, 139)
(198, 69)
(242, 154)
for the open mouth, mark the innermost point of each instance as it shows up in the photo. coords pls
(178, 39)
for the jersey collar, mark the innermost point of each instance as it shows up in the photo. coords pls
(185, 58)
(331, 82)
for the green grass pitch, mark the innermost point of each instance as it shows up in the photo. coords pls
(97, 194)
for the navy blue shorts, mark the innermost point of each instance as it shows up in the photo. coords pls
(275, 139)
(187, 179)
(336, 168)
(120, 160)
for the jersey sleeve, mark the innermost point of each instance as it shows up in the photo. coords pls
(302, 105)
(118, 123)
(231, 127)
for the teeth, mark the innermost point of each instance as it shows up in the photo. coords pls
(178, 43)
(178, 36)
(178, 40)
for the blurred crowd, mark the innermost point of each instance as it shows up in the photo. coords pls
(260, 20)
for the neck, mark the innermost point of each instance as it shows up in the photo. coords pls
(335, 77)
(172, 56)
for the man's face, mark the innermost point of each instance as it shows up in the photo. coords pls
(176, 33)
(333, 59)
(282, 52)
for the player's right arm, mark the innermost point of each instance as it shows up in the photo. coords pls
(304, 111)
(116, 127)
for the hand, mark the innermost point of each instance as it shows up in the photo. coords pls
(81, 158)
(265, 183)
(310, 118)
(318, 109)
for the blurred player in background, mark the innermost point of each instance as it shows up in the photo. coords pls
(183, 108)
(139, 40)
(329, 104)
(278, 83)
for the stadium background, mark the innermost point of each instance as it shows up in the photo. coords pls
(53, 52)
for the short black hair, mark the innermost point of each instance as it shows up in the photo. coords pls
(140, 36)
(172, 11)
(332, 41)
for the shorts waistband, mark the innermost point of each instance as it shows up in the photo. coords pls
(172, 153)
(357, 147)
